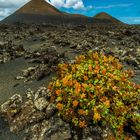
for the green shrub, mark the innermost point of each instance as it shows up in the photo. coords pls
(96, 89)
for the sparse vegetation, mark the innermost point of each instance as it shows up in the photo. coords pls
(96, 89)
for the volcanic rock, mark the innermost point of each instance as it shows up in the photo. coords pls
(41, 103)
(11, 107)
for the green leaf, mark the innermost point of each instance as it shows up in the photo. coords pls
(96, 81)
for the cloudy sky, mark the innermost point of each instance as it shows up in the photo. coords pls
(127, 11)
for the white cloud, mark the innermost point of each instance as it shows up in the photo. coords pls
(79, 5)
(11, 3)
(114, 6)
(75, 4)
(57, 3)
(7, 7)
(4, 12)
(72, 3)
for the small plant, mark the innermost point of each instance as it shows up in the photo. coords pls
(96, 89)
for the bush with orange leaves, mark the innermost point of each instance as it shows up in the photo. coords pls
(96, 88)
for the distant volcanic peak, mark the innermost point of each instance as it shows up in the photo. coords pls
(39, 7)
(104, 17)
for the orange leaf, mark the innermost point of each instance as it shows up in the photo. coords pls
(96, 116)
(104, 72)
(85, 78)
(98, 76)
(58, 92)
(70, 83)
(82, 124)
(115, 88)
(76, 91)
(83, 89)
(77, 88)
(84, 85)
(59, 106)
(107, 103)
(90, 68)
(119, 66)
(91, 95)
(64, 80)
(75, 103)
(105, 59)
(83, 95)
(81, 112)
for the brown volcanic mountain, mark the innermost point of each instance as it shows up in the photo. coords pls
(105, 18)
(39, 11)
(35, 11)
(38, 7)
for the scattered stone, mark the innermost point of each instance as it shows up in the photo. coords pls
(10, 51)
(50, 110)
(10, 108)
(28, 114)
(41, 103)
(30, 94)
